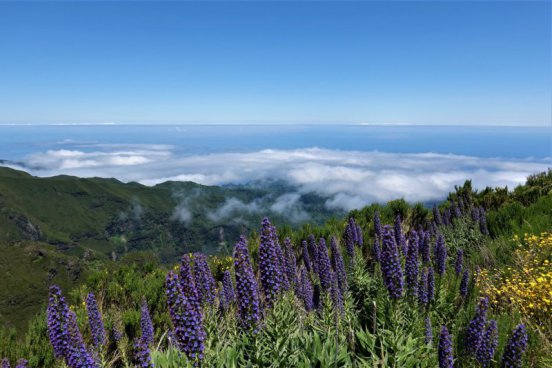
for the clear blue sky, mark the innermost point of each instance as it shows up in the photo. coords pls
(352, 62)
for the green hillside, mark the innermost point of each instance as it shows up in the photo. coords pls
(54, 229)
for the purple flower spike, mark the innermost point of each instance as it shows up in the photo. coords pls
(349, 238)
(338, 266)
(5, 363)
(142, 354)
(247, 292)
(430, 284)
(305, 290)
(483, 222)
(437, 215)
(376, 250)
(515, 347)
(474, 334)
(204, 280)
(95, 320)
(324, 266)
(445, 349)
(313, 252)
(22, 363)
(488, 345)
(188, 283)
(290, 262)
(391, 265)
(411, 265)
(428, 331)
(269, 265)
(146, 324)
(459, 261)
(228, 294)
(422, 288)
(186, 319)
(305, 254)
(440, 255)
(377, 224)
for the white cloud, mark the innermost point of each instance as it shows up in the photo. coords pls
(350, 179)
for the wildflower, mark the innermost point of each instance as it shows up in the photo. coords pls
(22, 363)
(350, 241)
(428, 331)
(430, 284)
(338, 266)
(313, 252)
(269, 267)
(281, 259)
(187, 320)
(398, 229)
(305, 253)
(516, 345)
(422, 288)
(247, 293)
(146, 324)
(324, 266)
(335, 294)
(483, 222)
(376, 251)
(440, 255)
(290, 261)
(411, 266)
(228, 294)
(305, 291)
(188, 283)
(437, 215)
(459, 261)
(95, 320)
(142, 354)
(391, 265)
(488, 344)
(445, 349)
(204, 280)
(474, 333)
(5, 363)
(360, 237)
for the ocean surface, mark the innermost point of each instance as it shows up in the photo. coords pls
(16, 142)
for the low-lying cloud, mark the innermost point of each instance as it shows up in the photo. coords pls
(349, 179)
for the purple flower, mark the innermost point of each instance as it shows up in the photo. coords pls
(483, 222)
(95, 320)
(335, 294)
(281, 260)
(455, 209)
(290, 261)
(5, 363)
(459, 261)
(475, 214)
(377, 224)
(305, 254)
(313, 252)
(474, 333)
(247, 292)
(77, 355)
(360, 237)
(227, 294)
(445, 349)
(464, 284)
(516, 345)
(338, 266)
(488, 344)
(430, 284)
(437, 215)
(324, 266)
(349, 242)
(22, 363)
(142, 354)
(422, 288)
(146, 324)
(440, 255)
(187, 283)
(428, 331)
(305, 291)
(269, 265)
(204, 280)
(391, 265)
(186, 319)
(376, 250)
(411, 265)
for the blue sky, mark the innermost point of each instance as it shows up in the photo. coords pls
(276, 62)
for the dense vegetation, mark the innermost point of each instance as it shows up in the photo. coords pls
(55, 230)
(465, 283)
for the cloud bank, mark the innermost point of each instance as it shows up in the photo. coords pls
(349, 179)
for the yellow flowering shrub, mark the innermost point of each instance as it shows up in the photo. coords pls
(527, 286)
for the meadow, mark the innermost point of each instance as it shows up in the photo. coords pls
(467, 283)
